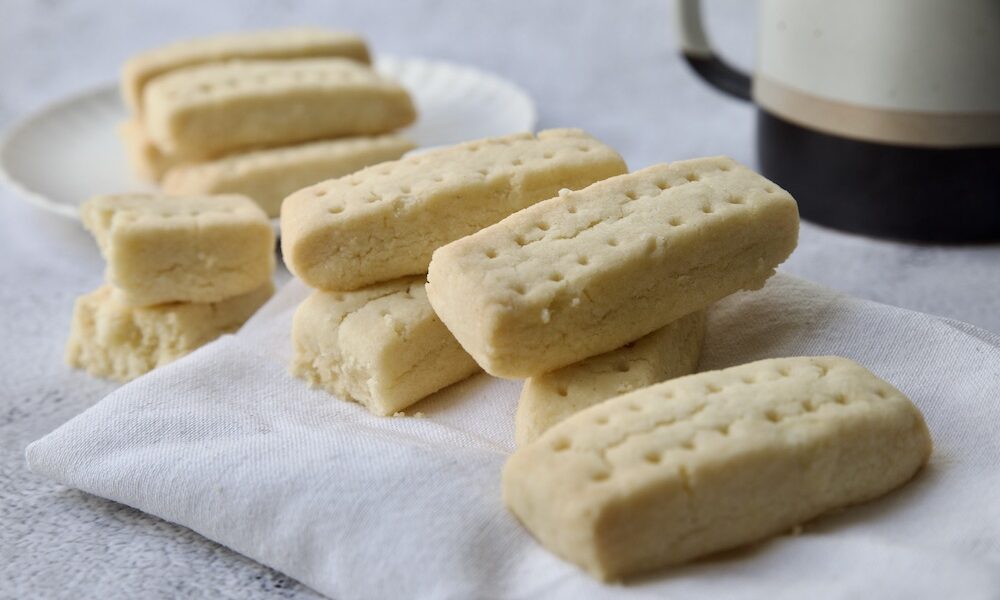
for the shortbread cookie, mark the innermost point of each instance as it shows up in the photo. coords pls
(592, 270)
(385, 221)
(112, 339)
(381, 346)
(275, 44)
(668, 352)
(268, 176)
(145, 159)
(217, 108)
(181, 249)
(713, 461)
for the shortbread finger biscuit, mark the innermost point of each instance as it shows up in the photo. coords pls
(181, 249)
(145, 159)
(213, 109)
(385, 221)
(381, 346)
(587, 272)
(275, 44)
(713, 461)
(668, 352)
(268, 176)
(112, 339)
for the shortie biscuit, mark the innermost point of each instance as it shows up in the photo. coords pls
(592, 270)
(381, 346)
(669, 352)
(181, 249)
(713, 461)
(268, 176)
(385, 221)
(274, 44)
(218, 108)
(112, 339)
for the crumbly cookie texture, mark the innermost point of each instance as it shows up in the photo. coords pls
(668, 352)
(268, 176)
(381, 346)
(112, 339)
(145, 159)
(181, 249)
(713, 461)
(385, 221)
(591, 270)
(218, 108)
(273, 44)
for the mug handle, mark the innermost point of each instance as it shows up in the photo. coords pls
(698, 52)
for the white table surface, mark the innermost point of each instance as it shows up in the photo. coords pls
(609, 67)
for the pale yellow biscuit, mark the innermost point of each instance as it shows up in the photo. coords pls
(589, 271)
(112, 339)
(381, 346)
(385, 221)
(218, 108)
(268, 176)
(273, 44)
(181, 249)
(668, 352)
(145, 159)
(712, 461)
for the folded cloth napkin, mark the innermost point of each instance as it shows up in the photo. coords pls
(227, 443)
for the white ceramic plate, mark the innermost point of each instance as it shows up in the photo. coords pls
(69, 151)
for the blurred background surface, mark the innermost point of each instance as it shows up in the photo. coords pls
(609, 67)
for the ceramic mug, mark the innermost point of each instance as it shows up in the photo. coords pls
(881, 117)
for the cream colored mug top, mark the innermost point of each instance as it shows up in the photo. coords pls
(920, 72)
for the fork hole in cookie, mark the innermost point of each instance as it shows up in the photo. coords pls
(652, 458)
(735, 200)
(483, 172)
(601, 420)
(438, 178)
(675, 221)
(571, 209)
(808, 406)
(520, 241)
(612, 242)
(634, 407)
(600, 476)
(773, 416)
(560, 445)
(784, 372)
(688, 444)
(692, 177)
(517, 288)
(663, 185)
(707, 209)
(405, 189)
(840, 399)
(583, 148)
(880, 393)
(491, 253)
(336, 210)
(748, 379)
(543, 226)
(723, 429)
(582, 260)
(712, 389)
(631, 195)
(623, 367)
(516, 162)
(562, 390)
(555, 277)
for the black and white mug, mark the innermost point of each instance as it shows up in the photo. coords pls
(881, 117)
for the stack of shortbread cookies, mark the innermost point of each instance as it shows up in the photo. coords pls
(547, 262)
(365, 241)
(180, 272)
(261, 114)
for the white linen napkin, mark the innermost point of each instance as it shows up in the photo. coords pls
(227, 443)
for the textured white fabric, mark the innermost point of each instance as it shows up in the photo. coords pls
(227, 443)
